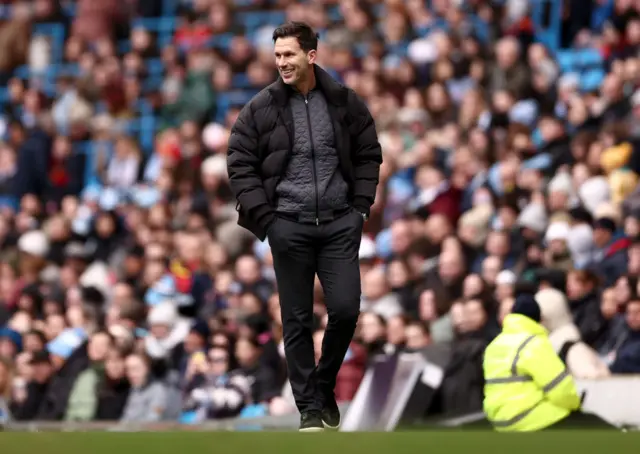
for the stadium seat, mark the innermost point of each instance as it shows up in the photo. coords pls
(154, 66)
(334, 14)
(222, 42)
(170, 7)
(124, 46)
(4, 95)
(152, 83)
(240, 81)
(234, 98)
(56, 34)
(256, 19)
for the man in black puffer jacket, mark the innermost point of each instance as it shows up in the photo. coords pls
(304, 163)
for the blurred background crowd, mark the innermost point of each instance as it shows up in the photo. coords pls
(127, 292)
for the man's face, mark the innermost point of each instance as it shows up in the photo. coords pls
(292, 61)
(601, 237)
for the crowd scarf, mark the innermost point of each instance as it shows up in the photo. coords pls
(161, 348)
(58, 173)
(183, 275)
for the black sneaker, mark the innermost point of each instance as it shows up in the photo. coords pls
(311, 421)
(331, 414)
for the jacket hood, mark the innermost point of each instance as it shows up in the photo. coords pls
(517, 323)
(554, 309)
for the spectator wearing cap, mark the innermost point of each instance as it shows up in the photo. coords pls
(69, 357)
(580, 244)
(505, 285)
(167, 330)
(10, 343)
(36, 388)
(561, 193)
(33, 247)
(610, 257)
(557, 254)
(527, 386)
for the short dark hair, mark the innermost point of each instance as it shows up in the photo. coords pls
(307, 38)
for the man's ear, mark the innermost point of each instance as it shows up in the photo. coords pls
(311, 56)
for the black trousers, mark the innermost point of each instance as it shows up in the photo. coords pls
(300, 251)
(575, 421)
(580, 421)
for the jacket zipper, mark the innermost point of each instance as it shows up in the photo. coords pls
(313, 156)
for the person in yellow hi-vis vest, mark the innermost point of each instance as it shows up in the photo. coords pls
(527, 386)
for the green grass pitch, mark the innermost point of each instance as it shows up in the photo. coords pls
(423, 442)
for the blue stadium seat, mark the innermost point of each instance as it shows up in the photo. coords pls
(240, 81)
(87, 148)
(169, 7)
(65, 69)
(221, 42)
(235, 98)
(154, 66)
(4, 95)
(69, 9)
(592, 79)
(361, 49)
(123, 46)
(334, 14)
(256, 19)
(399, 49)
(152, 83)
(57, 35)
(22, 72)
(243, 3)
(156, 24)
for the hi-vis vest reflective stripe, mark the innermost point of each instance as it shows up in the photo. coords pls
(515, 378)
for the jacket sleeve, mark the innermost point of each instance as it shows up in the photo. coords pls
(243, 165)
(540, 361)
(366, 155)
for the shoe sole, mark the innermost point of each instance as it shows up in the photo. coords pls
(311, 429)
(327, 426)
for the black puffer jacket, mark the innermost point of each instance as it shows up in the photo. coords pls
(261, 144)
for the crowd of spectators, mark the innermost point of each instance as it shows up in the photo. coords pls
(128, 292)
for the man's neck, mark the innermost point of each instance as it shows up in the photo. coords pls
(305, 86)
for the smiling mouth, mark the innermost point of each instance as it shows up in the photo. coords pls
(287, 72)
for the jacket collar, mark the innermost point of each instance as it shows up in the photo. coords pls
(334, 92)
(518, 323)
